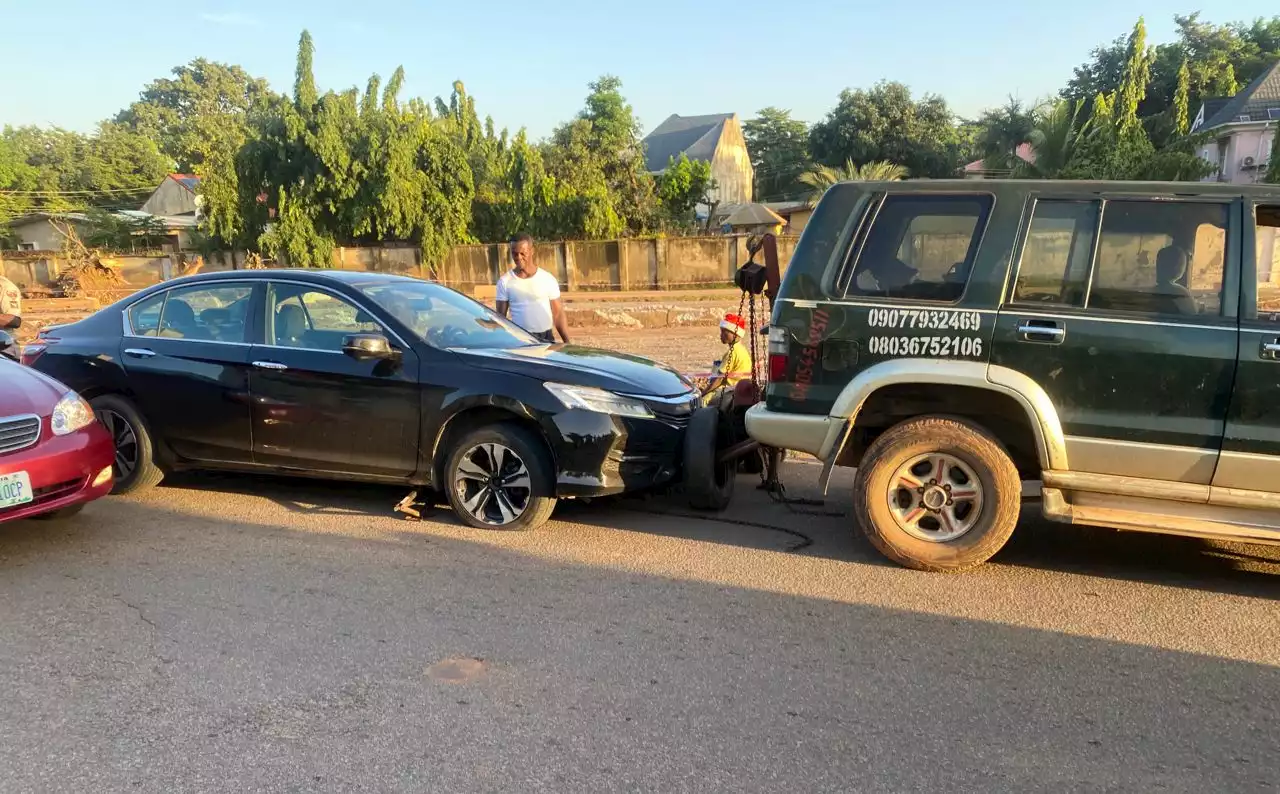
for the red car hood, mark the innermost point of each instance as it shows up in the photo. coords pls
(25, 391)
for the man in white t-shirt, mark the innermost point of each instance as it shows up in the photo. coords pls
(530, 296)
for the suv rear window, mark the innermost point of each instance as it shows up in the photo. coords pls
(920, 247)
(1161, 257)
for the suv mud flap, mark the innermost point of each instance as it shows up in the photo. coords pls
(829, 465)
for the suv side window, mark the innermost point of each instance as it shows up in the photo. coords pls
(1267, 245)
(1161, 257)
(921, 247)
(1054, 268)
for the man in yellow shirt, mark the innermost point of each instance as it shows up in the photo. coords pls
(735, 367)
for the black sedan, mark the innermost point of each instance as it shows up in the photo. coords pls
(369, 377)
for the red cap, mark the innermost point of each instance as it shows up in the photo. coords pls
(734, 323)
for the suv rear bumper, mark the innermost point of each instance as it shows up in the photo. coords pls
(815, 435)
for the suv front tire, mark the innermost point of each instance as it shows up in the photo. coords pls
(937, 493)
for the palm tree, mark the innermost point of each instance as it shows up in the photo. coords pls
(821, 177)
(1057, 135)
(1002, 132)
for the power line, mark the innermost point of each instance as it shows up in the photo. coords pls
(97, 192)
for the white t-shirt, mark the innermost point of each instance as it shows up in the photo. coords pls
(10, 298)
(530, 299)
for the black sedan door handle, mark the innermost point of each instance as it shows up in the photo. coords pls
(139, 352)
(276, 365)
(1271, 349)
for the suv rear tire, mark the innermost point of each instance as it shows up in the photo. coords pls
(937, 493)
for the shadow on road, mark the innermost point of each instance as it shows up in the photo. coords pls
(150, 650)
(756, 521)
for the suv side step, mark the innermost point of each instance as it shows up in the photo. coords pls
(1170, 517)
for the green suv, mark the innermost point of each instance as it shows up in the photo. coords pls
(1118, 342)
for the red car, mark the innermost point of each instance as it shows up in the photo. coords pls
(55, 456)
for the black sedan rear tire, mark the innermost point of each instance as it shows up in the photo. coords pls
(135, 466)
(500, 477)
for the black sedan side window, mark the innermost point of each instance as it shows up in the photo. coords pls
(312, 319)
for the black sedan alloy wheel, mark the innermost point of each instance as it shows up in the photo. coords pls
(493, 484)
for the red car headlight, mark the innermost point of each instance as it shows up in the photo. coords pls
(71, 413)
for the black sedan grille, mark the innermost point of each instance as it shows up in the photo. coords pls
(674, 414)
(18, 432)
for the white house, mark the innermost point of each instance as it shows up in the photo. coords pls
(1243, 129)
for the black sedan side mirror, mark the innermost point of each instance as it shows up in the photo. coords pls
(368, 347)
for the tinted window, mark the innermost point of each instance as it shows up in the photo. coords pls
(211, 314)
(1267, 244)
(920, 247)
(1161, 258)
(444, 318)
(313, 319)
(1056, 254)
(144, 316)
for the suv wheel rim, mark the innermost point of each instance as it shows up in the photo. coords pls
(125, 441)
(935, 497)
(493, 484)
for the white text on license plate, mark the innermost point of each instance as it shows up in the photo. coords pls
(15, 489)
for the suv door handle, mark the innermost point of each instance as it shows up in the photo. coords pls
(1041, 331)
(269, 365)
(1271, 349)
(139, 352)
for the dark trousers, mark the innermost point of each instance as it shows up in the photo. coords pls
(548, 336)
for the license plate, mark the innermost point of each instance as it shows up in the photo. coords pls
(15, 489)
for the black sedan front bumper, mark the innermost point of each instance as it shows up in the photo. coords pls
(599, 454)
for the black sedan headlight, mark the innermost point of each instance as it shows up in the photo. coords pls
(589, 398)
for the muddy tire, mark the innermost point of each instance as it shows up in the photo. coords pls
(937, 494)
(500, 477)
(708, 484)
(135, 466)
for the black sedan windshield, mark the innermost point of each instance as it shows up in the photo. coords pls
(446, 319)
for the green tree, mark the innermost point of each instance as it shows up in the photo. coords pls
(1133, 84)
(597, 161)
(886, 123)
(200, 117)
(779, 149)
(820, 178)
(682, 187)
(1002, 132)
(1182, 101)
(1273, 165)
(350, 168)
(1059, 129)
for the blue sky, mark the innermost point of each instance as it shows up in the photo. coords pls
(528, 63)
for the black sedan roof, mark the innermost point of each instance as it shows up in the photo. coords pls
(316, 275)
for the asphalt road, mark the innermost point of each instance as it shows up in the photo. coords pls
(232, 634)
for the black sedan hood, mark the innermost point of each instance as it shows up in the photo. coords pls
(583, 366)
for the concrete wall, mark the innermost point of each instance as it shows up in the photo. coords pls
(635, 264)
(32, 272)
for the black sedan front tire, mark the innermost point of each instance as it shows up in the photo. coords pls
(500, 477)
